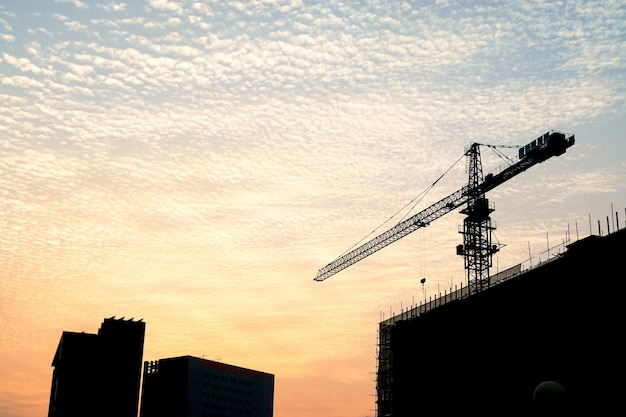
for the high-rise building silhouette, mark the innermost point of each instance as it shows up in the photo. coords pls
(98, 374)
(555, 329)
(188, 386)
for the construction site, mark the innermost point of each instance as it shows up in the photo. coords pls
(488, 353)
(542, 340)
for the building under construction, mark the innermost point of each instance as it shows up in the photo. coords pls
(490, 352)
(544, 341)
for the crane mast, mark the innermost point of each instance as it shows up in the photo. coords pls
(477, 248)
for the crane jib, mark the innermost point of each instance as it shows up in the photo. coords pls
(539, 150)
(421, 219)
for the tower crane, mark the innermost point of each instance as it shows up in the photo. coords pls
(477, 248)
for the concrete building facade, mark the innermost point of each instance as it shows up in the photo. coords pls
(194, 387)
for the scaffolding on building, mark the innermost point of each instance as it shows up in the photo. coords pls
(384, 372)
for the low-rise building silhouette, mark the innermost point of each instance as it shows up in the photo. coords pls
(98, 374)
(188, 386)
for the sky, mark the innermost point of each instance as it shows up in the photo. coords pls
(194, 163)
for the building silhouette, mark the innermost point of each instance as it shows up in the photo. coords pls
(98, 374)
(548, 341)
(188, 386)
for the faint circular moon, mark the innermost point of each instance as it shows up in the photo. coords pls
(549, 391)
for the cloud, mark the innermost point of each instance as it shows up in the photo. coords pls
(21, 81)
(22, 64)
(75, 26)
(77, 3)
(113, 7)
(166, 5)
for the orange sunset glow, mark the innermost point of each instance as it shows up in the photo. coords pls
(195, 163)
